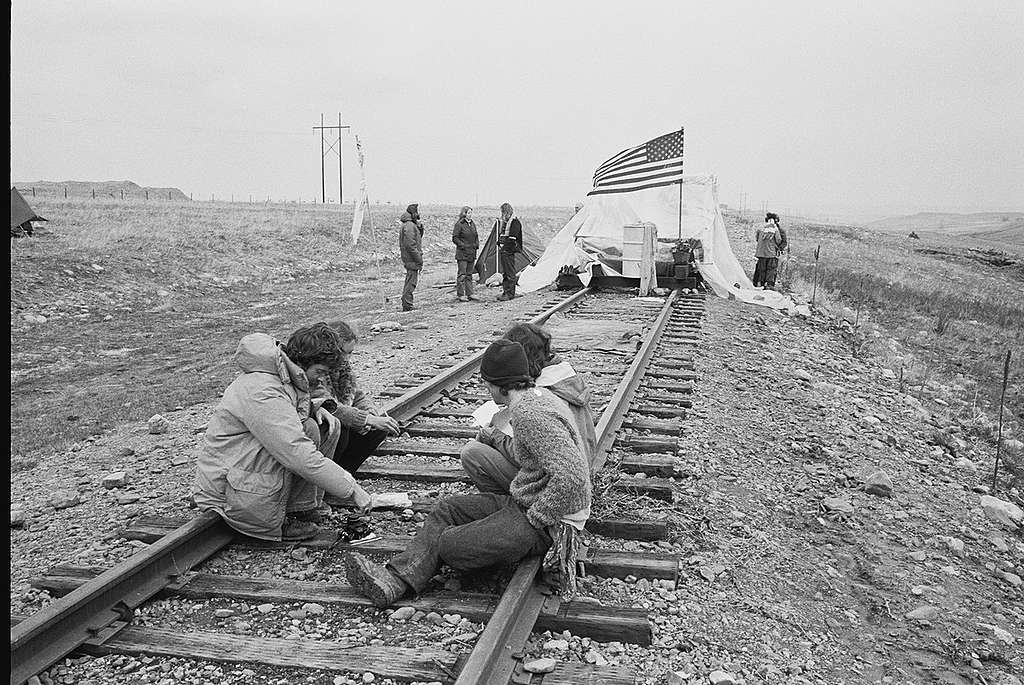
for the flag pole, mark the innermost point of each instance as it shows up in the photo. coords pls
(679, 230)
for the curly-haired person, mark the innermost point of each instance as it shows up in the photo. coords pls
(362, 425)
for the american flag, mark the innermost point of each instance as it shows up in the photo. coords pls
(658, 162)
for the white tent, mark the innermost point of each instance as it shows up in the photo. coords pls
(599, 223)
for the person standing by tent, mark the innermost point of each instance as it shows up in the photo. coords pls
(467, 242)
(410, 244)
(771, 241)
(509, 232)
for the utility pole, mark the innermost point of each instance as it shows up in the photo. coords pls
(323, 154)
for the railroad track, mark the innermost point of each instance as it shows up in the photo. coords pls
(641, 393)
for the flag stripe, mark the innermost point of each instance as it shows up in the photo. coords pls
(675, 170)
(638, 157)
(639, 167)
(615, 158)
(609, 191)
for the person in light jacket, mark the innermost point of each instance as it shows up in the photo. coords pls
(262, 466)
(410, 245)
(771, 242)
(467, 242)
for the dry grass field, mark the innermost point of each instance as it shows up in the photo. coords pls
(144, 302)
(940, 311)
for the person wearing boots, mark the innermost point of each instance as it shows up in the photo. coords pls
(547, 506)
(467, 242)
(410, 244)
(509, 232)
(262, 466)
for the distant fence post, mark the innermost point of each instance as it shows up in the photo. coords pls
(94, 193)
(33, 191)
(168, 195)
(147, 194)
(65, 192)
(190, 197)
(999, 436)
(122, 193)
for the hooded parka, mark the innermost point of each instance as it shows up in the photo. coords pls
(255, 444)
(410, 239)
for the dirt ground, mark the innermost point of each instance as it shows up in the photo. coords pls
(796, 574)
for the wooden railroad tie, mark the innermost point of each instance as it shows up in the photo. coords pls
(587, 619)
(608, 563)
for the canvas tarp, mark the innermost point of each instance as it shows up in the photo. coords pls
(21, 211)
(600, 220)
(487, 259)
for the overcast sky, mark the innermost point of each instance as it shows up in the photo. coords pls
(877, 108)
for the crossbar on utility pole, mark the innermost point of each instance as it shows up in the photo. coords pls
(323, 154)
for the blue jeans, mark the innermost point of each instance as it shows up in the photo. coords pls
(469, 532)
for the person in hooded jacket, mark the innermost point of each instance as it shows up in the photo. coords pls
(467, 242)
(410, 244)
(490, 459)
(772, 241)
(262, 467)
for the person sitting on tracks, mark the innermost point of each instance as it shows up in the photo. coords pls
(490, 459)
(262, 466)
(363, 427)
(547, 505)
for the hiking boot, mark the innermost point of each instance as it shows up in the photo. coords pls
(309, 516)
(471, 298)
(295, 530)
(503, 297)
(463, 298)
(373, 581)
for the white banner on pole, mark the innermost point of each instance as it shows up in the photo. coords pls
(357, 217)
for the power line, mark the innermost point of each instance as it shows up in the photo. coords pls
(341, 172)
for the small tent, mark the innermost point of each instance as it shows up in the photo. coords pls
(689, 211)
(22, 215)
(487, 260)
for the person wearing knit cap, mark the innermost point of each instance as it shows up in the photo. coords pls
(410, 244)
(467, 242)
(546, 508)
(489, 458)
(509, 233)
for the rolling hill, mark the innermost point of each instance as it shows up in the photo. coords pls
(1007, 227)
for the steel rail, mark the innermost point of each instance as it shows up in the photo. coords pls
(99, 608)
(494, 658)
(83, 614)
(411, 403)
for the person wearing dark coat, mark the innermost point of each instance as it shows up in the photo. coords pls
(410, 244)
(467, 242)
(509, 232)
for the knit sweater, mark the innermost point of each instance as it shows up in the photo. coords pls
(554, 477)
